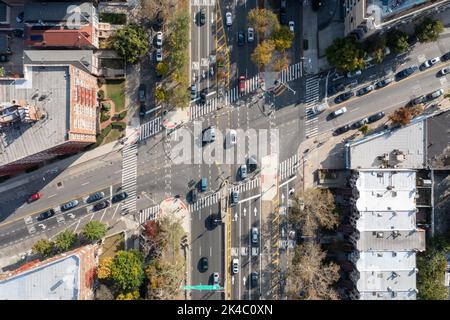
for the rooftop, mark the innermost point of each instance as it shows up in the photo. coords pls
(389, 295)
(386, 220)
(59, 12)
(386, 261)
(438, 141)
(57, 37)
(393, 8)
(82, 59)
(392, 240)
(386, 281)
(46, 89)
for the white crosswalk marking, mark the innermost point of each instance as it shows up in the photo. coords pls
(291, 73)
(150, 128)
(205, 202)
(129, 176)
(248, 185)
(288, 167)
(311, 99)
(148, 214)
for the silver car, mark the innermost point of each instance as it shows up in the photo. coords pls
(235, 265)
(229, 19)
(250, 34)
(69, 205)
(255, 235)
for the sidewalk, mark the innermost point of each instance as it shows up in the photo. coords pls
(310, 33)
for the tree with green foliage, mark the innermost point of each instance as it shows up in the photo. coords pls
(432, 265)
(364, 129)
(346, 55)
(160, 94)
(43, 247)
(131, 42)
(376, 46)
(429, 30)
(133, 295)
(397, 40)
(127, 270)
(282, 38)
(94, 230)
(263, 53)
(162, 69)
(65, 240)
(262, 20)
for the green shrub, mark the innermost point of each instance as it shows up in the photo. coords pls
(106, 106)
(106, 130)
(113, 18)
(104, 116)
(122, 115)
(119, 125)
(101, 94)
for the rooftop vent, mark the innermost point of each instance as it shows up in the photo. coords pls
(380, 234)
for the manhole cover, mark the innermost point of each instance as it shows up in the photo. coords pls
(59, 185)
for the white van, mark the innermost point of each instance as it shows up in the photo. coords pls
(318, 109)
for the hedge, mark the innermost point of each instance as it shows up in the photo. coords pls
(122, 115)
(106, 130)
(106, 106)
(101, 94)
(119, 125)
(104, 116)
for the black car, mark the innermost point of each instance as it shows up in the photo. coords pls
(343, 97)
(203, 95)
(359, 123)
(375, 117)
(365, 90)
(335, 89)
(215, 220)
(341, 130)
(406, 72)
(418, 100)
(3, 58)
(119, 197)
(101, 205)
(283, 18)
(254, 277)
(241, 38)
(316, 4)
(202, 16)
(383, 83)
(194, 195)
(142, 110)
(95, 196)
(204, 264)
(446, 57)
(46, 214)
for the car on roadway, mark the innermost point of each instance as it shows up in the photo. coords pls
(234, 197)
(446, 57)
(202, 16)
(352, 74)
(119, 197)
(216, 278)
(20, 17)
(158, 54)
(338, 112)
(429, 63)
(283, 17)
(383, 83)
(142, 94)
(34, 197)
(435, 94)
(250, 34)
(252, 163)
(365, 90)
(406, 72)
(343, 97)
(360, 123)
(444, 71)
(242, 84)
(193, 195)
(240, 38)
(235, 265)
(203, 184)
(142, 110)
(418, 100)
(69, 205)
(232, 137)
(95, 196)
(292, 26)
(101, 205)
(46, 214)
(375, 117)
(335, 89)
(204, 95)
(283, 4)
(243, 171)
(193, 92)
(254, 277)
(209, 135)
(316, 4)
(203, 264)
(255, 235)
(159, 39)
(341, 130)
(229, 19)
(215, 220)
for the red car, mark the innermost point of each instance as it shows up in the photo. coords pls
(242, 83)
(34, 197)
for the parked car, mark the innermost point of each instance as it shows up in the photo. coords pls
(101, 205)
(34, 197)
(352, 74)
(291, 26)
(375, 117)
(204, 264)
(254, 277)
(383, 83)
(255, 235)
(283, 18)
(232, 137)
(252, 163)
(435, 94)
(4, 58)
(283, 4)
(235, 265)
(142, 93)
(159, 39)
(429, 63)
(446, 57)
(234, 197)
(343, 97)
(444, 71)
(418, 100)
(406, 72)
(360, 123)
(95, 196)
(69, 205)
(339, 112)
(142, 110)
(158, 54)
(243, 171)
(341, 130)
(216, 278)
(250, 34)
(335, 89)
(316, 4)
(193, 195)
(202, 16)
(193, 92)
(365, 90)
(46, 214)
(119, 197)
(229, 19)
(240, 38)
(242, 84)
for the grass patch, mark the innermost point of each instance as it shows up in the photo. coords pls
(112, 245)
(115, 90)
(113, 18)
(113, 135)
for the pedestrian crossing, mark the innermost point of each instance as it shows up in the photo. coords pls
(150, 128)
(129, 177)
(288, 167)
(311, 99)
(205, 202)
(291, 73)
(249, 185)
(198, 110)
(148, 214)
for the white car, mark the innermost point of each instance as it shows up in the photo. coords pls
(352, 74)
(232, 138)
(339, 112)
(444, 71)
(250, 35)
(431, 62)
(159, 39)
(159, 55)
(291, 26)
(229, 20)
(235, 265)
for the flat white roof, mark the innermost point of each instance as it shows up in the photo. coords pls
(386, 261)
(386, 281)
(386, 220)
(389, 295)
